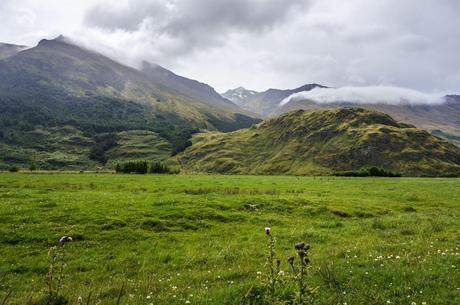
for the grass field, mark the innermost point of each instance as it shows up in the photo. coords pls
(200, 239)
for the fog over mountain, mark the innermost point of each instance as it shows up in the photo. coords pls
(260, 44)
(367, 95)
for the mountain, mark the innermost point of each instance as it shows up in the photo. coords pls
(323, 142)
(263, 103)
(239, 95)
(440, 119)
(67, 106)
(171, 82)
(8, 50)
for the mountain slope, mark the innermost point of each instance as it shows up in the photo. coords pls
(264, 103)
(440, 119)
(322, 142)
(8, 50)
(58, 85)
(171, 82)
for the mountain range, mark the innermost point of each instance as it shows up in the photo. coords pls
(63, 106)
(263, 103)
(439, 119)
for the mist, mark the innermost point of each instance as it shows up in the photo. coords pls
(367, 95)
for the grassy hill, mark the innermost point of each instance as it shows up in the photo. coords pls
(58, 84)
(441, 120)
(323, 142)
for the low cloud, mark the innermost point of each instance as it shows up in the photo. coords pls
(367, 95)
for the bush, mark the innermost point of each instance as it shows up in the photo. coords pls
(370, 172)
(13, 169)
(132, 167)
(32, 166)
(103, 143)
(144, 167)
(159, 168)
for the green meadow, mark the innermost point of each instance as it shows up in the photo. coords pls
(199, 239)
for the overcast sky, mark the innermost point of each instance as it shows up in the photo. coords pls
(261, 43)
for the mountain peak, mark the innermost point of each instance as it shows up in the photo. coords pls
(58, 39)
(238, 95)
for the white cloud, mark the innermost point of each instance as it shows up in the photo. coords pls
(367, 95)
(261, 43)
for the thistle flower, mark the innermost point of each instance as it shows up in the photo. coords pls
(299, 246)
(267, 231)
(64, 239)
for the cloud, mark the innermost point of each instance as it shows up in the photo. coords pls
(366, 95)
(197, 24)
(261, 44)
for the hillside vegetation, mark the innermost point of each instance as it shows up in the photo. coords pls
(323, 142)
(439, 119)
(58, 85)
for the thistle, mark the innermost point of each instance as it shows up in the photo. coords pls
(302, 252)
(270, 261)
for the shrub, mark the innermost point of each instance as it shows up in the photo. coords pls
(32, 166)
(13, 169)
(159, 168)
(132, 167)
(103, 144)
(144, 167)
(370, 172)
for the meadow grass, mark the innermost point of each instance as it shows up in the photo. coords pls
(199, 239)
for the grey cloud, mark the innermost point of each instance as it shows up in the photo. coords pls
(261, 43)
(125, 16)
(195, 24)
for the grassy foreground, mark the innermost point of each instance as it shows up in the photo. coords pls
(200, 239)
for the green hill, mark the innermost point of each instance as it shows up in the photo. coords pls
(439, 119)
(323, 142)
(58, 85)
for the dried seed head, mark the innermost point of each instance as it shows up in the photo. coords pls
(299, 246)
(302, 253)
(64, 239)
(267, 231)
(291, 259)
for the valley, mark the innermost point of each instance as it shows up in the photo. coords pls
(169, 239)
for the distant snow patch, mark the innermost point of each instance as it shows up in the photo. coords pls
(367, 95)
